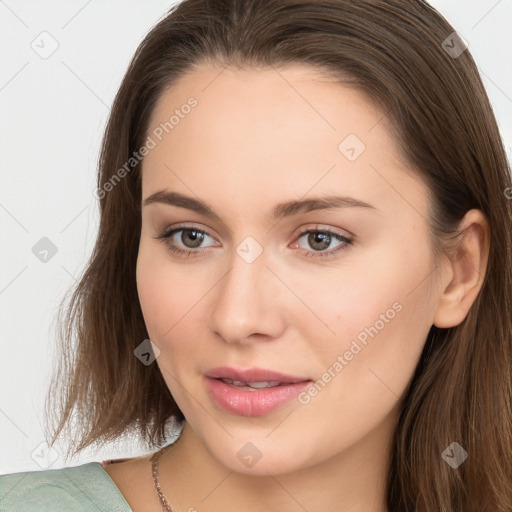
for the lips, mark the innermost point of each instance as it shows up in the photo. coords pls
(252, 392)
(253, 375)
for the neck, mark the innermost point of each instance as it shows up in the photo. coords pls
(352, 481)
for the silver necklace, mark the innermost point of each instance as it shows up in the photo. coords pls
(154, 469)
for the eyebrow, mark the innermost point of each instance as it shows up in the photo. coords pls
(281, 210)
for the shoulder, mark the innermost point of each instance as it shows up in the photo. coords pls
(79, 488)
(133, 477)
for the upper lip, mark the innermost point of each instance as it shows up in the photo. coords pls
(251, 375)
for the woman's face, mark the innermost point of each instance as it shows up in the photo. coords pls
(350, 311)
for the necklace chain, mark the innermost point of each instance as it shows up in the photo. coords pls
(154, 469)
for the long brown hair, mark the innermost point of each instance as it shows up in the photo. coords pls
(395, 52)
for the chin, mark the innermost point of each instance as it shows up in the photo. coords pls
(259, 458)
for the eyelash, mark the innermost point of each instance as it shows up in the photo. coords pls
(166, 235)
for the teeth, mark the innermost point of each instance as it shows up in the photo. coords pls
(257, 385)
(269, 384)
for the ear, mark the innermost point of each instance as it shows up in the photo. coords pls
(467, 270)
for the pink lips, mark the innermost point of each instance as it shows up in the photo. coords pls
(246, 401)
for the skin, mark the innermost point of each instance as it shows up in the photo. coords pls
(255, 139)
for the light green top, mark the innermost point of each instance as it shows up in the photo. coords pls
(87, 487)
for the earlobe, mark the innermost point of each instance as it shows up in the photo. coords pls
(450, 310)
(468, 271)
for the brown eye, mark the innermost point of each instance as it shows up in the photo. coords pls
(191, 238)
(185, 241)
(319, 241)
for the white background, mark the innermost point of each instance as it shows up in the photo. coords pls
(53, 113)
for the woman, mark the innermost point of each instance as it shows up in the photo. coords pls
(304, 257)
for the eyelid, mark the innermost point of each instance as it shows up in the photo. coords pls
(324, 227)
(177, 227)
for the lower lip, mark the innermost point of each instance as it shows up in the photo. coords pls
(252, 403)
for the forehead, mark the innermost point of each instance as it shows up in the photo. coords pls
(271, 133)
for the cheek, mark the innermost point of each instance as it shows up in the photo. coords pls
(165, 293)
(375, 313)
(340, 304)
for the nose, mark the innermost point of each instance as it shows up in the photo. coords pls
(246, 303)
